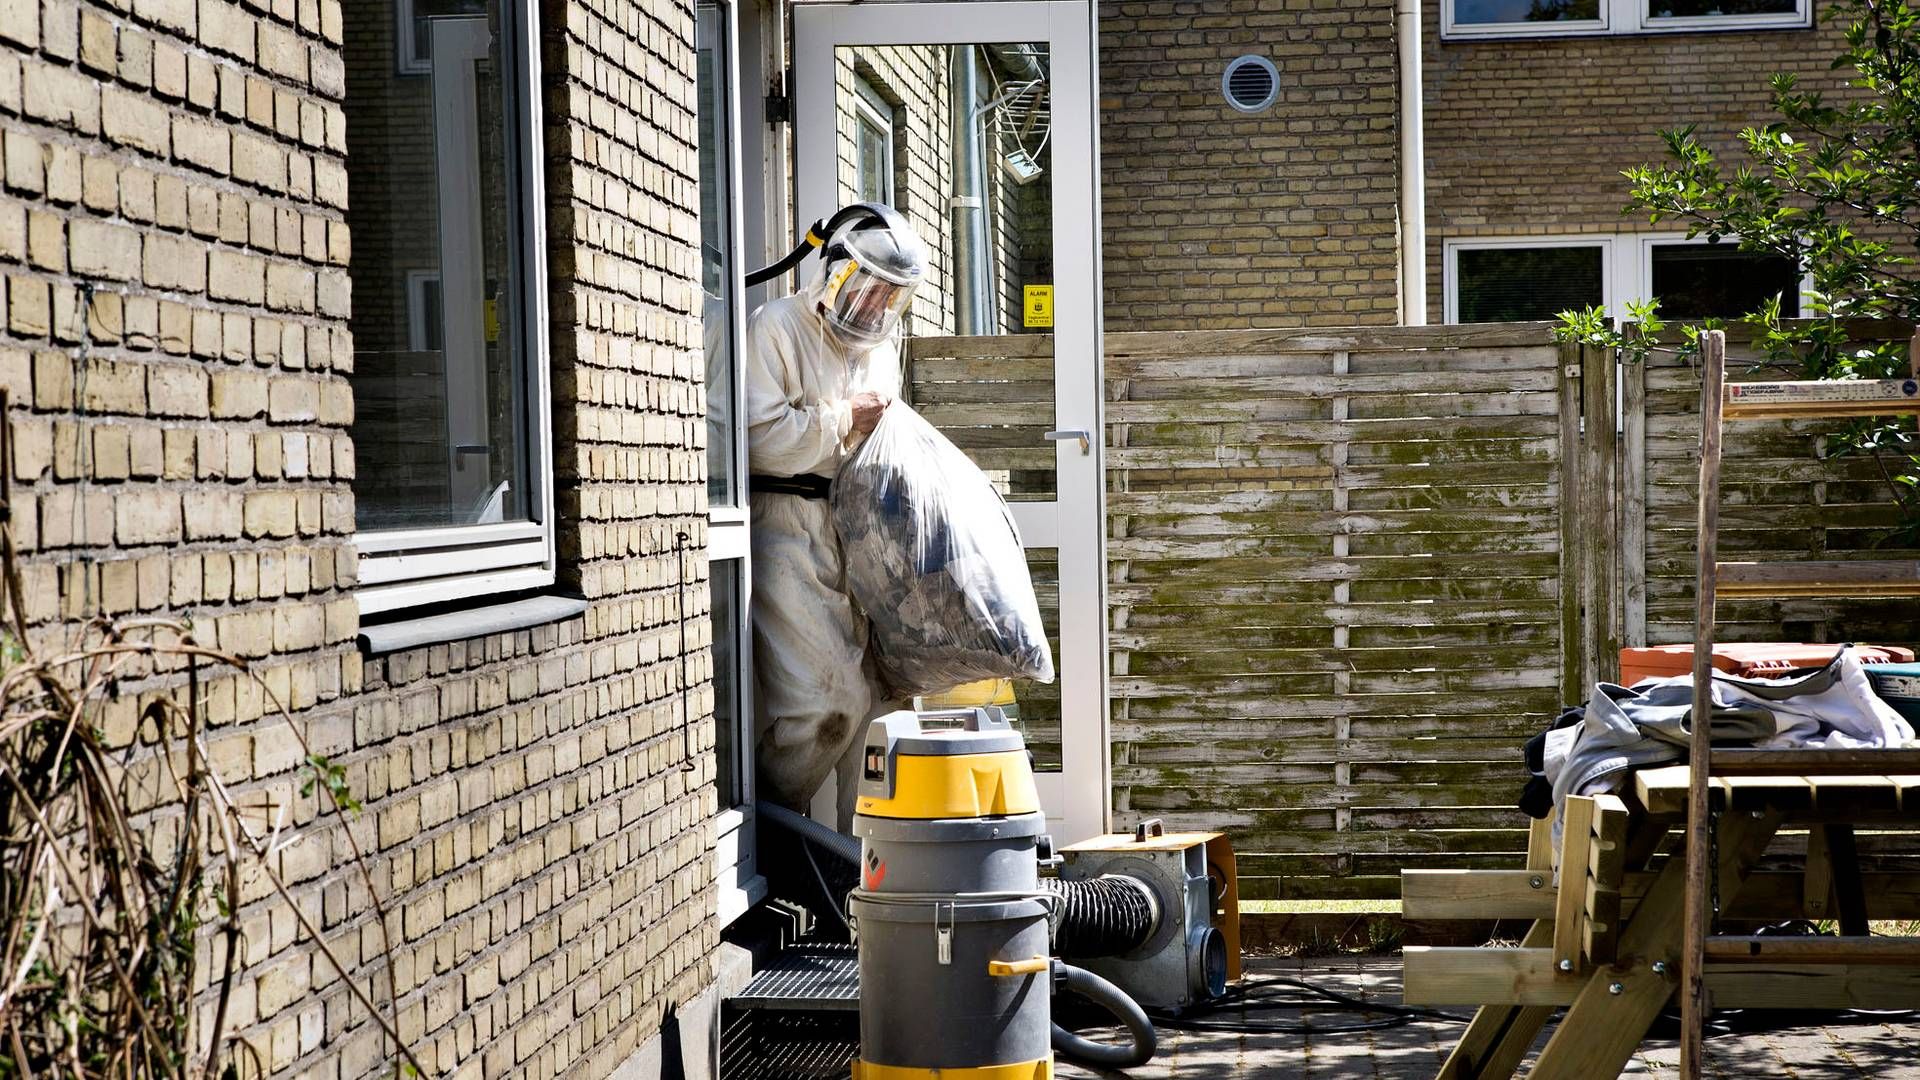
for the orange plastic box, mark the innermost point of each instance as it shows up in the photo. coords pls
(1760, 658)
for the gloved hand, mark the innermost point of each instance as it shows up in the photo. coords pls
(867, 407)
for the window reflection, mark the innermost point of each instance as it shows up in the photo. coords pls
(437, 213)
(1525, 11)
(727, 628)
(1695, 281)
(716, 251)
(1520, 284)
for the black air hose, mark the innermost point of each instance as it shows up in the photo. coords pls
(1104, 916)
(837, 844)
(1143, 1042)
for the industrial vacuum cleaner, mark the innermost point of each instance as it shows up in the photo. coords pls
(963, 945)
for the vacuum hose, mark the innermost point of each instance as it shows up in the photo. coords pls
(822, 231)
(835, 843)
(1143, 1042)
(1105, 916)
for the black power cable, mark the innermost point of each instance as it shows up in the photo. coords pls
(1254, 996)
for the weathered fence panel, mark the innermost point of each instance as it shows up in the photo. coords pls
(1336, 592)
(1351, 572)
(1783, 496)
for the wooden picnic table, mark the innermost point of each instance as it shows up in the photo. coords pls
(1606, 940)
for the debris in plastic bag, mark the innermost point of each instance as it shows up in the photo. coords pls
(933, 558)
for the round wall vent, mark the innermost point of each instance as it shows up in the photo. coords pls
(1250, 83)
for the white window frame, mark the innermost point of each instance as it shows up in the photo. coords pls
(729, 528)
(869, 107)
(1649, 241)
(1623, 17)
(1450, 305)
(405, 568)
(406, 46)
(1626, 264)
(417, 322)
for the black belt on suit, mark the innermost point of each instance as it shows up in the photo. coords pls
(806, 485)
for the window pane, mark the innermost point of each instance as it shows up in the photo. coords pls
(875, 175)
(988, 214)
(727, 709)
(422, 13)
(1524, 11)
(716, 251)
(1527, 284)
(440, 376)
(1660, 9)
(1694, 281)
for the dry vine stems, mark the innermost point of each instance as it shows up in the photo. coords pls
(116, 861)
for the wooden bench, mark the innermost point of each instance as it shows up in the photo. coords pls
(1606, 939)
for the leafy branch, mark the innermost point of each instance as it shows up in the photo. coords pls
(119, 856)
(1835, 188)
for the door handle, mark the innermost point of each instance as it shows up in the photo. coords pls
(1086, 440)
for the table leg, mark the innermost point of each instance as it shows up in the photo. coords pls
(1610, 1017)
(1847, 892)
(1499, 1035)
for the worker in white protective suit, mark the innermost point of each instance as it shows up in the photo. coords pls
(821, 366)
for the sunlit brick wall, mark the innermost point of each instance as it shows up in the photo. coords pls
(176, 278)
(1530, 136)
(1214, 218)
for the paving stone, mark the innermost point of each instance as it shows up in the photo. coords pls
(1415, 1051)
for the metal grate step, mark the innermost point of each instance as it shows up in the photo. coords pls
(806, 978)
(764, 1044)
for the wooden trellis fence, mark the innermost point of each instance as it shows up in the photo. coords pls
(1351, 571)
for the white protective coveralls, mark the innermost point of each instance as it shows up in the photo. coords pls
(814, 692)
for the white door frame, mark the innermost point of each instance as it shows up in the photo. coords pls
(1078, 799)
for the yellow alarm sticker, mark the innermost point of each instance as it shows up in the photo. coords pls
(1038, 309)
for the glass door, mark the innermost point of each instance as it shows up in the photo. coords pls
(977, 120)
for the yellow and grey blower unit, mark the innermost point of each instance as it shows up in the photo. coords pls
(953, 925)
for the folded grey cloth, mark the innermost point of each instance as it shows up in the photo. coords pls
(1650, 723)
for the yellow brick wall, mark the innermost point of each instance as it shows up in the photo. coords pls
(175, 286)
(1531, 136)
(1215, 218)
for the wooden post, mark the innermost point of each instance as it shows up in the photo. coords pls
(1816, 885)
(1337, 453)
(1540, 845)
(1119, 615)
(1633, 504)
(1599, 499)
(1576, 838)
(1573, 683)
(1693, 1002)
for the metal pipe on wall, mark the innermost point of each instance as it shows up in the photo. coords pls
(1413, 168)
(972, 281)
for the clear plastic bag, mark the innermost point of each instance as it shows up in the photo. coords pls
(933, 559)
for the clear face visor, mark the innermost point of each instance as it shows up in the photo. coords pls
(864, 306)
